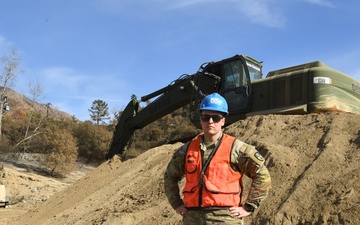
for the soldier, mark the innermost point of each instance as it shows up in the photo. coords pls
(213, 164)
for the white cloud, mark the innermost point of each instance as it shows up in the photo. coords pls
(183, 4)
(65, 79)
(257, 11)
(326, 3)
(261, 12)
(5, 45)
(73, 91)
(71, 84)
(2, 40)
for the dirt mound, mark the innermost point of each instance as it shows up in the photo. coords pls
(313, 160)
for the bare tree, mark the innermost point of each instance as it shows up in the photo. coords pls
(33, 124)
(36, 91)
(8, 70)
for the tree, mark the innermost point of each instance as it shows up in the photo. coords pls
(35, 121)
(92, 141)
(9, 67)
(35, 90)
(99, 111)
(62, 150)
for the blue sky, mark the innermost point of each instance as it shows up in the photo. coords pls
(83, 50)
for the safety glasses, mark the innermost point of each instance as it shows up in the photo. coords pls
(215, 118)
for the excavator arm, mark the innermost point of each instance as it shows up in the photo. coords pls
(176, 95)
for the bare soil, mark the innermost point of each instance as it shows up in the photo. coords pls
(313, 160)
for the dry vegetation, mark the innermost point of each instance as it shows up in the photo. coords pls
(31, 127)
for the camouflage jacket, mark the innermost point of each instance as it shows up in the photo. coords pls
(244, 158)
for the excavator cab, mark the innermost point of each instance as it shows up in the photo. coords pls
(234, 75)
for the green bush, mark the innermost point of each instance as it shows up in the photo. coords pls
(93, 141)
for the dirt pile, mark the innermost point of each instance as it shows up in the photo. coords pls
(313, 160)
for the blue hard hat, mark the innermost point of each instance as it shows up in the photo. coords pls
(214, 102)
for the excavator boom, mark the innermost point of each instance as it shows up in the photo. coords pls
(170, 98)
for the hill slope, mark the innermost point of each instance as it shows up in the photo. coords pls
(313, 160)
(19, 102)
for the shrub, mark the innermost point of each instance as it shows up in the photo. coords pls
(61, 150)
(93, 141)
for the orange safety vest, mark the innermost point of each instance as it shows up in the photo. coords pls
(214, 184)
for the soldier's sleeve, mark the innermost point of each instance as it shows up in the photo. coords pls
(249, 161)
(173, 175)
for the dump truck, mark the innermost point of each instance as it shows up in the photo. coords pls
(305, 88)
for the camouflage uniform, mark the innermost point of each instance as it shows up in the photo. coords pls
(244, 158)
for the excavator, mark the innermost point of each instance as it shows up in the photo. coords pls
(306, 88)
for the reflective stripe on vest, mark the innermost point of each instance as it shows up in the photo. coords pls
(220, 185)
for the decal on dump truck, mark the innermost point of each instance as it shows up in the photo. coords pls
(322, 80)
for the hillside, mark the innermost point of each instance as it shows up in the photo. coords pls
(313, 160)
(19, 102)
